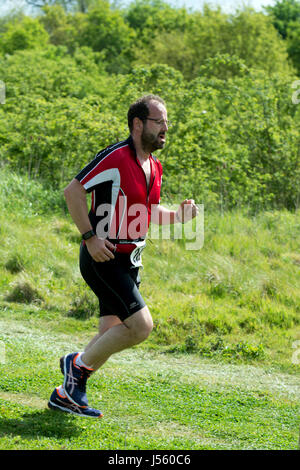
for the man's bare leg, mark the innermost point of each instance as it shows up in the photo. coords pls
(118, 337)
(106, 322)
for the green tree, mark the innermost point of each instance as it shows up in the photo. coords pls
(235, 139)
(293, 43)
(160, 30)
(254, 39)
(247, 35)
(63, 28)
(283, 13)
(105, 30)
(149, 16)
(50, 123)
(25, 34)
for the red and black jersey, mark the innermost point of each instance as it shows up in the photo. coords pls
(121, 199)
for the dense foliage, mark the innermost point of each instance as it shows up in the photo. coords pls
(228, 80)
(286, 19)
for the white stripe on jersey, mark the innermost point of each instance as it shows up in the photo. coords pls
(112, 150)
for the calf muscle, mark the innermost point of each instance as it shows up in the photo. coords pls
(132, 331)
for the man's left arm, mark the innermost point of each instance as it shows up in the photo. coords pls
(186, 211)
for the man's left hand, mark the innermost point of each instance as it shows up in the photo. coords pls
(187, 211)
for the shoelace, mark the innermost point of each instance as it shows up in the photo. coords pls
(85, 374)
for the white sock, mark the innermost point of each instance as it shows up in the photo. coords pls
(79, 362)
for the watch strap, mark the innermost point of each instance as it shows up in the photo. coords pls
(87, 235)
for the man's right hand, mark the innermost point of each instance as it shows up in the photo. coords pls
(100, 250)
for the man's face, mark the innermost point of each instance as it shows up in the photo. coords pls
(153, 136)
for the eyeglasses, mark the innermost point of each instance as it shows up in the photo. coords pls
(160, 122)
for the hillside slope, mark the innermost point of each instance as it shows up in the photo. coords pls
(221, 368)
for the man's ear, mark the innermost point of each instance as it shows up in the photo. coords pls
(137, 124)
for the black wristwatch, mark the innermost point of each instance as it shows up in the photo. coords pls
(87, 235)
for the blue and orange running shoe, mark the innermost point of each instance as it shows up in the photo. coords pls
(62, 403)
(75, 378)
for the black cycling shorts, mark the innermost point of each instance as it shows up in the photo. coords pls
(115, 283)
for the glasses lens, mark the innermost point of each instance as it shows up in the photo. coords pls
(160, 122)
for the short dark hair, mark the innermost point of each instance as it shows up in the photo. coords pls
(140, 108)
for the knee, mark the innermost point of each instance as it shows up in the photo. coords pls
(141, 327)
(145, 329)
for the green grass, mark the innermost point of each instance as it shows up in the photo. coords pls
(217, 371)
(151, 400)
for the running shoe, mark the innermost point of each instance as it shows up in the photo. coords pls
(75, 378)
(61, 403)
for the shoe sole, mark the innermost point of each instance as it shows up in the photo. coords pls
(55, 407)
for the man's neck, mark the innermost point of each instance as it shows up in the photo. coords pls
(142, 154)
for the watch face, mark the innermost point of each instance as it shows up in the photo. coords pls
(88, 235)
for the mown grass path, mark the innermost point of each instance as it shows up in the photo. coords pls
(150, 400)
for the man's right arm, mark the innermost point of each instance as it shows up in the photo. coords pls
(75, 195)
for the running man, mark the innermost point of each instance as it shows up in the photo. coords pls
(125, 182)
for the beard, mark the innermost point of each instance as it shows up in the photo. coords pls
(151, 142)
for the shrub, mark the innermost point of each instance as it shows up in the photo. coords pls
(24, 292)
(15, 264)
(83, 306)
